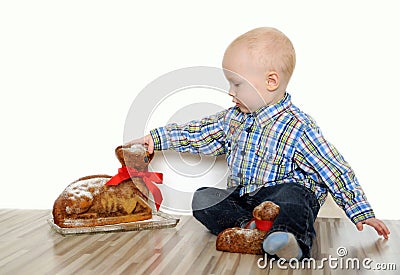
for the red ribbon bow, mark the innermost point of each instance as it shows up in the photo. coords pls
(149, 179)
(264, 225)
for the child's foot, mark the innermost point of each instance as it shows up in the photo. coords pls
(282, 244)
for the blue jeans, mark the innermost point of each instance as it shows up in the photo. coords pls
(218, 209)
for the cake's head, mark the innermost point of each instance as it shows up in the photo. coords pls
(134, 156)
(266, 211)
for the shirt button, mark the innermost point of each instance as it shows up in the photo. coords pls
(239, 174)
(243, 153)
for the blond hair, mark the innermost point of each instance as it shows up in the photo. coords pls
(271, 49)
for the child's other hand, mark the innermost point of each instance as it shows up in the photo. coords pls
(146, 141)
(379, 226)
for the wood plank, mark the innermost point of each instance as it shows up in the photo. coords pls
(28, 244)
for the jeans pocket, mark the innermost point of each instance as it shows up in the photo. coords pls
(311, 200)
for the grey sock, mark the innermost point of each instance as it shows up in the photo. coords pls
(282, 244)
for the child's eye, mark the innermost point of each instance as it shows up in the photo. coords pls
(236, 85)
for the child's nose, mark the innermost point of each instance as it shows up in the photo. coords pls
(234, 99)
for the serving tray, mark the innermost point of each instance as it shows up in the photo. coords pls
(158, 221)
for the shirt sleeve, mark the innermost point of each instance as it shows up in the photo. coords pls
(205, 136)
(314, 155)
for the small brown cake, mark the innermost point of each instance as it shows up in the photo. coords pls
(248, 241)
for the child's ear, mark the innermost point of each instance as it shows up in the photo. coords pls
(272, 81)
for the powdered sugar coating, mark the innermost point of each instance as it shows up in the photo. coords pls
(83, 190)
(136, 148)
(82, 187)
(246, 232)
(240, 240)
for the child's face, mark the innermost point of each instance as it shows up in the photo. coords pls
(247, 79)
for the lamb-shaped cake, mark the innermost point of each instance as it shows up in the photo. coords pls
(249, 241)
(102, 200)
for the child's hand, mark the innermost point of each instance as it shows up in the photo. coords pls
(379, 226)
(146, 141)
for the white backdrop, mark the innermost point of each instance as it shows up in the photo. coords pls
(69, 72)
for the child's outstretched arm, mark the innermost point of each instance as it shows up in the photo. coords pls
(377, 224)
(205, 136)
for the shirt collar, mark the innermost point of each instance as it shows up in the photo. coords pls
(265, 113)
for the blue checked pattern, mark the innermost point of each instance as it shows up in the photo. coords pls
(276, 144)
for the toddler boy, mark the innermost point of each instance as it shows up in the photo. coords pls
(274, 152)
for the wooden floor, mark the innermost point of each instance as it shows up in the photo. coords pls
(29, 246)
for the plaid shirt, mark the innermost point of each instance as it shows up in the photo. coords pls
(276, 144)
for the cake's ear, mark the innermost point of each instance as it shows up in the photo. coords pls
(120, 155)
